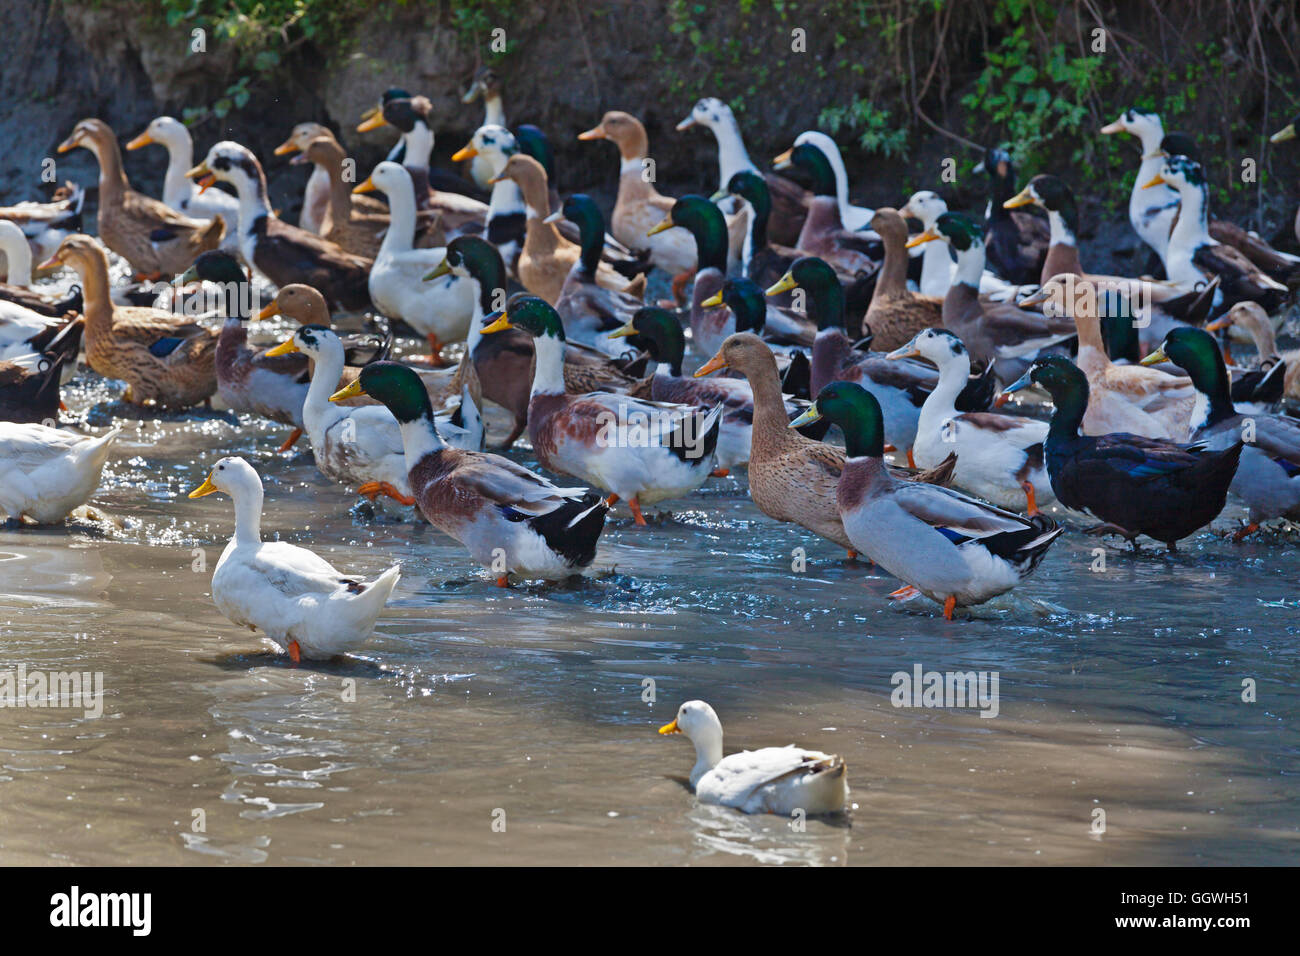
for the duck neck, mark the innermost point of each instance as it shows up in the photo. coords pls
(340, 194)
(769, 404)
(1068, 417)
(401, 218)
(732, 156)
(756, 236)
(18, 258)
(324, 380)
(420, 439)
(970, 266)
(708, 753)
(893, 272)
(95, 293)
(112, 177)
(248, 514)
(548, 379)
(1191, 229)
(419, 146)
(253, 203)
(494, 111)
(177, 187)
(941, 404)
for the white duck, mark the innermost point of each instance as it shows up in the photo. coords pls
(491, 148)
(1153, 211)
(356, 444)
(46, 472)
(298, 599)
(179, 191)
(440, 309)
(999, 457)
(781, 780)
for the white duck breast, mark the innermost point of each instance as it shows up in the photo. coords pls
(939, 266)
(298, 599)
(18, 326)
(1152, 212)
(46, 472)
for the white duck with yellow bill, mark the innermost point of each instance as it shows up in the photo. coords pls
(295, 597)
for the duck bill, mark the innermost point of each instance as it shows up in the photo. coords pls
(204, 489)
(670, 728)
(783, 284)
(1004, 396)
(367, 187)
(1157, 356)
(440, 270)
(810, 415)
(1033, 299)
(284, 348)
(713, 301)
(1285, 133)
(661, 226)
(785, 160)
(500, 322)
(473, 93)
(53, 262)
(555, 216)
(285, 148)
(904, 351)
(195, 172)
(203, 175)
(711, 366)
(499, 178)
(1022, 198)
(596, 132)
(372, 119)
(720, 195)
(348, 391)
(269, 310)
(624, 331)
(1218, 325)
(464, 153)
(686, 123)
(72, 142)
(922, 238)
(1156, 180)
(1112, 128)
(144, 139)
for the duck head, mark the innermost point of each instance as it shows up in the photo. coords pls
(698, 721)
(858, 414)
(746, 301)
(165, 131)
(657, 332)
(818, 279)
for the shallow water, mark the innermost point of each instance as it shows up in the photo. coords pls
(1120, 690)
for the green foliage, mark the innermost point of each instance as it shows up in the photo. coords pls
(876, 129)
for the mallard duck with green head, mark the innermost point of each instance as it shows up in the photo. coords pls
(955, 550)
(512, 521)
(1135, 485)
(1268, 477)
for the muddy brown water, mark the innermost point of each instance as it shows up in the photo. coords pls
(495, 726)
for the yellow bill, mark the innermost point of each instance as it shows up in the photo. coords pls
(596, 132)
(500, 324)
(624, 332)
(1157, 356)
(661, 226)
(367, 187)
(144, 139)
(441, 269)
(206, 488)
(284, 348)
(1285, 133)
(373, 119)
(348, 391)
(670, 728)
(712, 365)
(465, 152)
(808, 417)
(922, 238)
(1156, 180)
(287, 147)
(713, 301)
(268, 311)
(783, 284)
(784, 160)
(1022, 198)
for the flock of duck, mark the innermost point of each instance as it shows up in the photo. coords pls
(817, 312)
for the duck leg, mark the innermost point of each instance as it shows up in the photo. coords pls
(291, 440)
(1031, 502)
(911, 462)
(1245, 532)
(905, 593)
(373, 489)
(679, 285)
(948, 606)
(719, 472)
(503, 580)
(295, 652)
(611, 501)
(635, 505)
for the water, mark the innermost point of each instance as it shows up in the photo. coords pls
(476, 707)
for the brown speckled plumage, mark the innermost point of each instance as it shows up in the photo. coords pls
(896, 314)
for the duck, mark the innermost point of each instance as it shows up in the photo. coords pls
(788, 201)
(1152, 212)
(456, 200)
(17, 287)
(1278, 265)
(781, 780)
(511, 520)
(1286, 133)
(641, 452)
(504, 362)
(824, 233)
(547, 257)
(23, 332)
(491, 147)
(999, 335)
(1194, 256)
(658, 332)
(46, 472)
(1277, 375)
(939, 267)
(247, 379)
(46, 224)
(179, 192)
(439, 310)
(590, 311)
(1017, 242)
(640, 209)
(316, 193)
(157, 240)
(1123, 398)
(710, 321)
(487, 86)
(29, 384)
(355, 223)
(896, 312)
(164, 358)
(283, 253)
(300, 601)
(999, 457)
(854, 218)
(792, 478)
(954, 549)
(1133, 484)
(760, 260)
(900, 387)
(1268, 475)
(360, 444)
